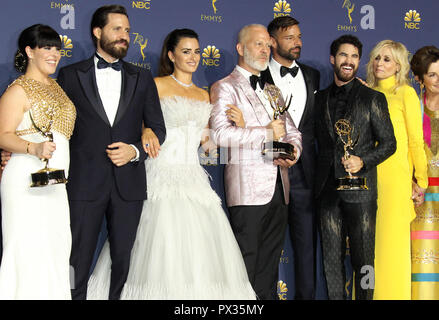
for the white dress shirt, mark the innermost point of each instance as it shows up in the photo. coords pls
(290, 85)
(259, 92)
(109, 82)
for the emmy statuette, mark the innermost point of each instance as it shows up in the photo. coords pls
(277, 149)
(47, 176)
(343, 128)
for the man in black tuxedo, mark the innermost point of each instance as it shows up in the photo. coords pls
(301, 82)
(107, 172)
(349, 213)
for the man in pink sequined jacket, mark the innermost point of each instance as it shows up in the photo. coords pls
(257, 190)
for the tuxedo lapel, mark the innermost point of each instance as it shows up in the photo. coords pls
(266, 75)
(129, 81)
(309, 95)
(87, 79)
(350, 110)
(327, 114)
(258, 108)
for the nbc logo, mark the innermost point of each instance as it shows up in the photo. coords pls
(67, 46)
(281, 8)
(412, 20)
(282, 290)
(141, 5)
(211, 56)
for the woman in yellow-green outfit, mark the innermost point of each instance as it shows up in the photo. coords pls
(387, 72)
(425, 228)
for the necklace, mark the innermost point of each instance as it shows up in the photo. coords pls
(181, 83)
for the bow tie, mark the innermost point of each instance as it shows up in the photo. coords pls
(102, 64)
(254, 80)
(285, 70)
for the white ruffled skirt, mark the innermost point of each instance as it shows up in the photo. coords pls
(185, 248)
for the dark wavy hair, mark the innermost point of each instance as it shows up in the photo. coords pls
(281, 23)
(422, 60)
(349, 39)
(166, 66)
(35, 36)
(100, 17)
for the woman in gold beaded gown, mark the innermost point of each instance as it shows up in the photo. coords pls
(425, 228)
(387, 72)
(35, 221)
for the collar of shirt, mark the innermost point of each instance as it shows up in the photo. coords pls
(247, 74)
(291, 86)
(275, 66)
(342, 90)
(259, 92)
(109, 83)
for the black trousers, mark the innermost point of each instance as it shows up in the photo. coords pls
(260, 233)
(339, 219)
(86, 221)
(302, 233)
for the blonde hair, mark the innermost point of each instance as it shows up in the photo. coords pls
(401, 56)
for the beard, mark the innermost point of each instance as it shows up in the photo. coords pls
(251, 61)
(110, 47)
(340, 76)
(288, 54)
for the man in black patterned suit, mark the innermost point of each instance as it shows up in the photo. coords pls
(349, 213)
(301, 82)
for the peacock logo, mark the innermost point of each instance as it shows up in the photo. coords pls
(412, 15)
(281, 8)
(412, 20)
(211, 56)
(67, 46)
(282, 290)
(211, 52)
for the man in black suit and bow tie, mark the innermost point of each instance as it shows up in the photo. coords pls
(301, 82)
(107, 172)
(349, 213)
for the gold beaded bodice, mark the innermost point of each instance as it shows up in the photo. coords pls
(51, 109)
(434, 123)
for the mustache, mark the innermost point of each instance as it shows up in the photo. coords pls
(296, 47)
(122, 41)
(347, 65)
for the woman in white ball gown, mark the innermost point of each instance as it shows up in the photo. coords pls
(185, 247)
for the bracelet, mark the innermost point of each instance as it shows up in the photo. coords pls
(27, 147)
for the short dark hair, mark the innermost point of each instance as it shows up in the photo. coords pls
(281, 23)
(349, 39)
(35, 36)
(100, 17)
(166, 67)
(422, 59)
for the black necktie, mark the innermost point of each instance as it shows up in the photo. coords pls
(102, 64)
(254, 80)
(285, 70)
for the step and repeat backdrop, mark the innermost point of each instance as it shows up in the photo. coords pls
(217, 22)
